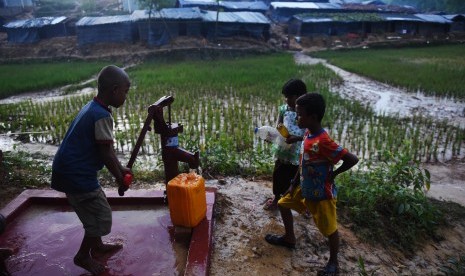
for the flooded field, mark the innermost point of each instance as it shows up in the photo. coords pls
(389, 100)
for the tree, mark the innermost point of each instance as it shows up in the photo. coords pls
(153, 6)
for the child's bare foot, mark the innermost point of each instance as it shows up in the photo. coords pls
(89, 264)
(108, 247)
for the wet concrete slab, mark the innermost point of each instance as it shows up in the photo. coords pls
(45, 234)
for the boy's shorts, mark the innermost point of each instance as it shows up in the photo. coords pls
(94, 212)
(323, 212)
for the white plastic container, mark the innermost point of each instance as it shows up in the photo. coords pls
(271, 135)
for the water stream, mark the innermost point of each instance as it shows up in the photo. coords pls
(389, 100)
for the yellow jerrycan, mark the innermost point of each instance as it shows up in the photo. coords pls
(186, 199)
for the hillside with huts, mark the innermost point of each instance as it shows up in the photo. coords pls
(281, 24)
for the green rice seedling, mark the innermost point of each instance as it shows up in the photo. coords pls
(221, 102)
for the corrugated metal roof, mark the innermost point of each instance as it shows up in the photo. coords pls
(233, 17)
(433, 18)
(171, 13)
(304, 5)
(35, 22)
(258, 5)
(101, 20)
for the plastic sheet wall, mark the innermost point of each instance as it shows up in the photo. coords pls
(23, 35)
(161, 32)
(124, 32)
(258, 31)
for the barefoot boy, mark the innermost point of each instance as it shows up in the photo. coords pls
(315, 190)
(85, 149)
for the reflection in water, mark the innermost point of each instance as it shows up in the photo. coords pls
(46, 238)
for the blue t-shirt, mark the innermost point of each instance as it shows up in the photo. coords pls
(77, 160)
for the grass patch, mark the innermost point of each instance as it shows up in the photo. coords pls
(436, 71)
(21, 170)
(30, 170)
(27, 77)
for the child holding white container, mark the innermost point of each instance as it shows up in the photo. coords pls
(287, 156)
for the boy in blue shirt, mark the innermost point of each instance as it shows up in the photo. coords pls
(85, 149)
(313, 187)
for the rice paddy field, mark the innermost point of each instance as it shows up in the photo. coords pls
(437, 71)
(220, 102)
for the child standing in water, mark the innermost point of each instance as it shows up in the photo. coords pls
(85, 149)
(287, 158)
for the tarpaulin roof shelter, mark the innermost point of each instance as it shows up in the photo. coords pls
(377, 8)
(252, 24)
(433, 24)
(433, 18)
(167, 24)
(401, 23)
(16, 3)
(331, 23)
(256, 6)
(34, 29)
(283, 11)
(171, 13)
(342, 23)
(458, 22)
(236, 17)
(400, 17)
(118, 28)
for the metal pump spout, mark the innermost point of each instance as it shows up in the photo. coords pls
(172, 155)
(170, 150)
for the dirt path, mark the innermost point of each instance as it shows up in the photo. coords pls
(240, 248)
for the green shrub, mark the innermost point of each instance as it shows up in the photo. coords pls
(389, 200)
(20, 170)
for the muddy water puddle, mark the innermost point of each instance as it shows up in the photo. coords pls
(46, 238)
